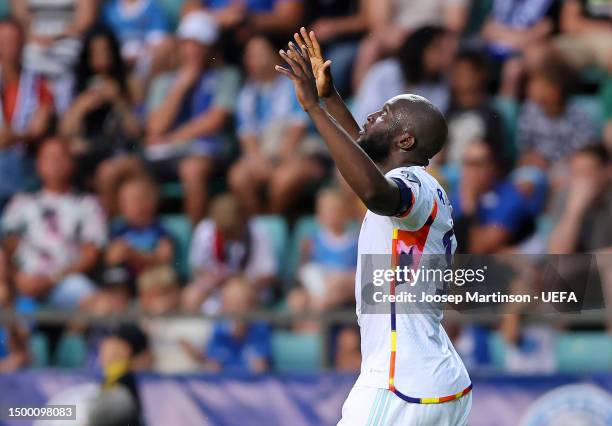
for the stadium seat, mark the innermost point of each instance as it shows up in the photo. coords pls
(509, 110)
(71, 351)
(180, 228)
(591, 104)
(579, 352)
(296, 352)
(172, 190)
(303, 228)
(173, 10)
(39, 350)
(276, 228)
(5, 9)
(497, 348)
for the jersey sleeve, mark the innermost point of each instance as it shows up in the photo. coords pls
(415, 200)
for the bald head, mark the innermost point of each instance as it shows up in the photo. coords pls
(408, 128)
(417, 116)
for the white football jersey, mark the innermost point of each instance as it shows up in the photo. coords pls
(410, 354)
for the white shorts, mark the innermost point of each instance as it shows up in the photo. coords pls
(373, 407)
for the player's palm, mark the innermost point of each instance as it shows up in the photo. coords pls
(320, 67)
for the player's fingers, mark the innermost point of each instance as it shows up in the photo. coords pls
(284, 71)
(306, 56)
(326, 66)
(307, 41)
(316, 47)
(298, 39)
(297, 69)
(299, 57)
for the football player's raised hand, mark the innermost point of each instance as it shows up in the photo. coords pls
(301, 74)
(320, 67)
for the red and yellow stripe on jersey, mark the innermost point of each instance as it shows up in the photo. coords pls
(417, 239)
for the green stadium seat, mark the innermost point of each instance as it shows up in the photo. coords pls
(580, 352)
(497, 348)
(509, 110)
(303, 228)
(591, 104)
(479, 11)
(173, 10)
(71, 351)
(180, 228)
(5, 9)
(39, 350)
(172, 190)
(296, 352)
(276, 228)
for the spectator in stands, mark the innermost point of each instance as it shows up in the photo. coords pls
(14, 336)
(490, 212)
(471, 116)
(100, 122)
(188, 112)
(158, 290)
(272, 17)
(237, 345)
(121, 354)
(175, 342)
(142, 29)
(226, 244)
(26, 111)
(339, 26)
(115, 293)
(140, 242)
(348, 350)
(54, 236)
(419, 67)
(514, 28)
(549, 126)
(586, 27)
(329, 255)
(392, 21)
(581, 213)
(54, 30)
(277, 152)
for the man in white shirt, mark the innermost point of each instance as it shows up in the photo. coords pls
(54, 236)
(410, 372)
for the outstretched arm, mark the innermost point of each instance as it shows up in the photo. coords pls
(379, 194)
(325, 86)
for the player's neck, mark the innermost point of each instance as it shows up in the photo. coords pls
(393, 163)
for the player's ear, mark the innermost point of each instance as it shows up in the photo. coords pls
(406, 142)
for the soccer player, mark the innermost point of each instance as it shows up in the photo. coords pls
(410, 372)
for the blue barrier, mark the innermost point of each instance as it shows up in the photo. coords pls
(298, 399)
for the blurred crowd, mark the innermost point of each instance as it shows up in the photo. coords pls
(120, 114)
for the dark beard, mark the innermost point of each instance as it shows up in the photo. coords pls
(376, 148)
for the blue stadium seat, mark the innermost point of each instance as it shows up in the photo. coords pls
(305, 226)
(579, 352)
(71, 351)
(180, 228)
(296, 352)
(39, 350)
(277, 230)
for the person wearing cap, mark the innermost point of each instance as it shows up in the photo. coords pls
(188, 111)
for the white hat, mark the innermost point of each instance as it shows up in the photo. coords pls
(199, 26)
